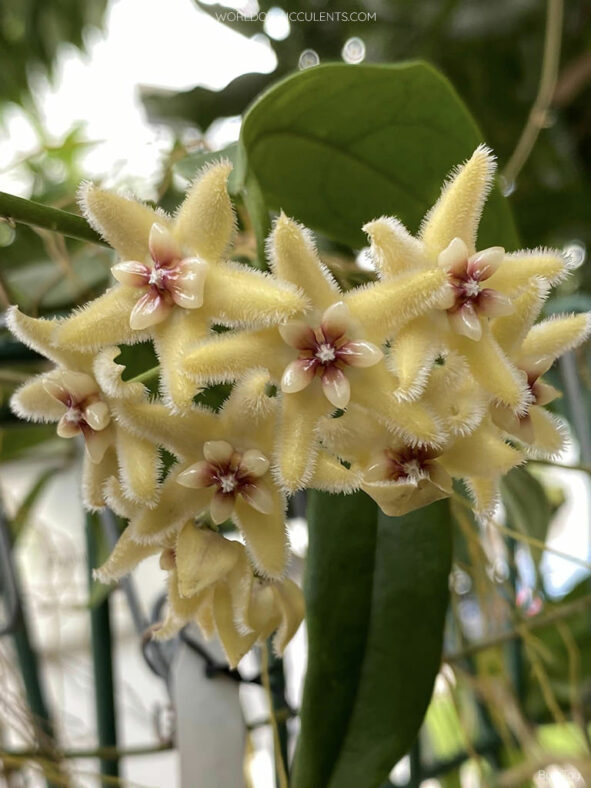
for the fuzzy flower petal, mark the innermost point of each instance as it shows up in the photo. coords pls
(202, 558)
(125, 224)
(557, 335)
(457, 212)
(205, 221)
(124, 557)
(265, 535)
(493, 370)
(294, 258)
(104, 321)
(256, 298)
(393, 248)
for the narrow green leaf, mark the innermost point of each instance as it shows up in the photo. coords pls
(22, 515)
(258, 211)
(526, 502)
(16, 440)
(376, 591)
(338, 145)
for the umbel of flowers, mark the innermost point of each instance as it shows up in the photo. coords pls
(432, 373)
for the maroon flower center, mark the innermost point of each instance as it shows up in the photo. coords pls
(324, 353)
(412, 464)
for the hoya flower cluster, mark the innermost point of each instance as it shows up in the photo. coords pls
(431, 373)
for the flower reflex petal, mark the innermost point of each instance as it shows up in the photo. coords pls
(85, 411)
(231, 474)
(325, 352)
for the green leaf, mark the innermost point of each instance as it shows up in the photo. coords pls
(258, 211)
(376, 592)
(16, 440)
(22, 515)
(338, 145)
(200, 106)
(190, 165)
(526, 502)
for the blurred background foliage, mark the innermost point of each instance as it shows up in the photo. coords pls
(31, 33)
(492, 53)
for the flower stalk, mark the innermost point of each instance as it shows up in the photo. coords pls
(35, 214)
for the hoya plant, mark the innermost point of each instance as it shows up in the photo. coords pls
(239, 359)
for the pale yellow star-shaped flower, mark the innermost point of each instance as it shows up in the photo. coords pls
(225, 469)
(173, 280)
(482, 284)
(331, 356)
(211, 582)
(401, 476)
(533, 348)
(78, 394)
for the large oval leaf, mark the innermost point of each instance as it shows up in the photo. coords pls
(376, 592)
(338, 145)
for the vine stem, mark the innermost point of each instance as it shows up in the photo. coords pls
(538, 115)
(279, 765)
(105, 753)
(35, 214)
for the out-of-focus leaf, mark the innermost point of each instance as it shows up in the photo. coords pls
(31, 32)
(190, 165)
(376, 594)
(44, 285)
(575, 302)
(200, 107)
(21, 517)
(527, 505)
(16, 440)
(336, 146)
(258, 211)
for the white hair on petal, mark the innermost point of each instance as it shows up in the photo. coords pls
(491, 167)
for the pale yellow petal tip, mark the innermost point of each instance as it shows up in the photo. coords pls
(36, 333)
(102, 575)
(551, 436)
(217, 171)
(287, 231)
(275, 569)
(108, 374)
(384, 228)
(457, 211)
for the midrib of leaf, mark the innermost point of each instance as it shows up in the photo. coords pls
(362, 662)
(346, 153)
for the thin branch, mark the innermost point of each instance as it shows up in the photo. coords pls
(519, 537)
(565, 611)
(104, 753)
(538, 116)
(562, 465)
(36, 214)
(280, 767)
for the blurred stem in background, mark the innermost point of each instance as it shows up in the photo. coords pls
(102, 656)
(538, 116)
(274, 684)
(28, 661)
